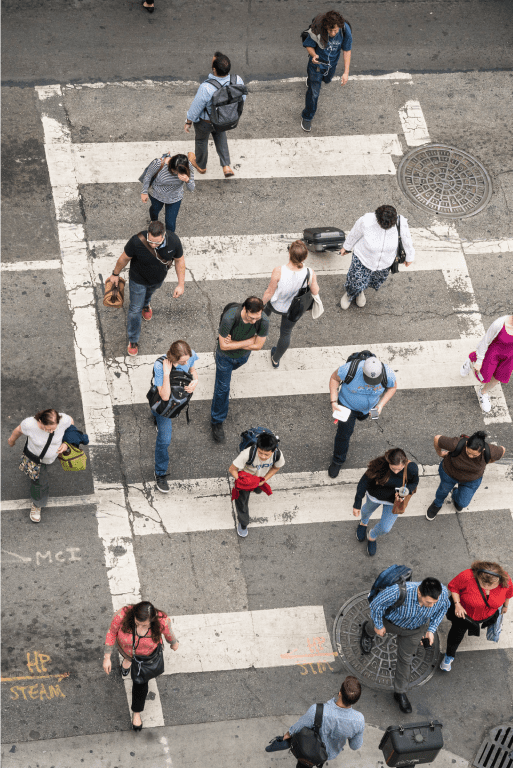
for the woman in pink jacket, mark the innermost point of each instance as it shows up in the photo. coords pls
(492, 362)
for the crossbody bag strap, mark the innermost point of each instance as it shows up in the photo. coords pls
(319, 711)
(162, 163)
(482, 593)
(148, 246)
(43, 452)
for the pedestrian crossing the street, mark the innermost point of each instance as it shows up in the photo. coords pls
(269, 637)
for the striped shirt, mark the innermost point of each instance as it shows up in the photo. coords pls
(338, 726)
(411, 614)
(166, 187)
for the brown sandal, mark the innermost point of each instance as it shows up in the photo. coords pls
(192, 159)
(228, 173)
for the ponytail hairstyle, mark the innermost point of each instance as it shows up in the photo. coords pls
(48, 416)
(379, 469)
(180, 164)
(143, 611)
(298, 252)
(476, 442)
(177, 350)
(325, 21)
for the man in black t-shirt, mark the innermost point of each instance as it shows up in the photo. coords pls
(150, 255)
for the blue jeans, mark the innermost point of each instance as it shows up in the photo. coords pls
(171, 212)
(165, 431)
(316, 75)
(343, 436)
(387, 518)
(140, 296)
(224, 369)
(462, 495)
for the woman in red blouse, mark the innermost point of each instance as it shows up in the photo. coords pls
(470, 610)
(149, 625)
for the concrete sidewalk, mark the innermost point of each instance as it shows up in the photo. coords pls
(228, 744)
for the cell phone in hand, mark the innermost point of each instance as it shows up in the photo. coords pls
(425, 642)
(374, 413)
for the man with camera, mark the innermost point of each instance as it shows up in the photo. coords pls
(415, 620)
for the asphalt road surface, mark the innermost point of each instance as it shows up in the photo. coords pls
(84, 84)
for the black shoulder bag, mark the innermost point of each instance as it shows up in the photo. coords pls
(302, 301)
(307, 746)
(400, 256)
(145, 668)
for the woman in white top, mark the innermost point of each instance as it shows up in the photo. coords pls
(285, 284)
(374, 240)
(37, 430)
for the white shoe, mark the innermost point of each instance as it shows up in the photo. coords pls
(35, 513)
(446, 663)
(465, 368)
(243, 532)
(484, 401)
(361, 301)
(345, 301)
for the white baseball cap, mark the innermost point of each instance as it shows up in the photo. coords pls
(372, 370)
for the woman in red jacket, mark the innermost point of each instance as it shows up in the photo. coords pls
(147, 625)
(478, 595)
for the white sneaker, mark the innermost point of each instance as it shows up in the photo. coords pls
(345, 301)
(465, 368)
(446, 663)
(484, 401)
(361, 301)
(35, 513)
(243, 532)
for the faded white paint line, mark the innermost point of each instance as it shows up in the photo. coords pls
(488, 246)
(299, 498)
(123, 162)
(54, 501)
(247, 256)
(414, 125)
(22, 266)
(279, 637)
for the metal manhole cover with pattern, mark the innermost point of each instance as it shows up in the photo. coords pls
(445, 181)
(377, 669)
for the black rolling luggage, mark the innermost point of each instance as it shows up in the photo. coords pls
(320, 239)
(412, 744)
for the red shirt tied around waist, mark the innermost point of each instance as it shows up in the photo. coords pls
(145, 646)
(465, 586)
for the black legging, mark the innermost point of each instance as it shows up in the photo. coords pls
(139, 693)
(459, 628)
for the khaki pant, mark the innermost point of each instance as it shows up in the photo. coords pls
(407, 644)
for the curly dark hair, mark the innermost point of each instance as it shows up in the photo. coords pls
(142, 612)
(480, 565)
(379, 469)
(326, 21)
(386, 216)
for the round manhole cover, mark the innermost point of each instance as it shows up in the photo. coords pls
(377, 668)
(445, 181)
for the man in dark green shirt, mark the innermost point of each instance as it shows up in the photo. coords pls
(243, 329)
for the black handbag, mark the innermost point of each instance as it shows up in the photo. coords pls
(302, 301)
(145, 668)
(400, 256)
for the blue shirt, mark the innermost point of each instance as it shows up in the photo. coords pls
(198, 109)
(411, 614)
(331, 54)
(158, 368)
(338, 725)
(359, 396)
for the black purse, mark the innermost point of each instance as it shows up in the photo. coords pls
(302, 301)
(145, 668)
(400, 256)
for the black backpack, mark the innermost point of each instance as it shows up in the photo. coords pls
(462, 443)
(178, 399)
(394, 574)
(307, 746)
(355, 359)
(227, 104)
(249, 438)
(237, 317)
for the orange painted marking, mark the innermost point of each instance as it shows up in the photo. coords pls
(60, 677)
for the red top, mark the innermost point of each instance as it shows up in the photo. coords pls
(144, 645)
(464, 584)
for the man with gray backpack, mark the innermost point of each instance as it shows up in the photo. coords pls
(215, 109)
(321, 733)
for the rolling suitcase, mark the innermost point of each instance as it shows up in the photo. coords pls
(412, 744)
(320, 239)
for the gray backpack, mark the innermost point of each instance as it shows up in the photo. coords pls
(227, 104)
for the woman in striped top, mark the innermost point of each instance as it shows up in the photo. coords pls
(167, 176)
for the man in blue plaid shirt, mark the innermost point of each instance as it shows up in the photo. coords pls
(418, 617)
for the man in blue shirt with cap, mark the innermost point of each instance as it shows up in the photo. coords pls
(328, 35)
(373, 385)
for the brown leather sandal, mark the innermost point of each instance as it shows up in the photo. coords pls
(192, 159)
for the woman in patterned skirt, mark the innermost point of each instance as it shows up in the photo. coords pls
(492, 362)
(374, 240)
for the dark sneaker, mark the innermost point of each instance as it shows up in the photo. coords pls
(162, 483)
(371, 547)
(404, 702)
(432, 511)
(274, 365)
(218, 432)
(334, 469)
(365, 641)
(361, 532)
(147, 313)
(458, 508)
(124, 672)
(133, 348)
(306, 125)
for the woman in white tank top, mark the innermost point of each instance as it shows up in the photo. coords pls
(285, 284)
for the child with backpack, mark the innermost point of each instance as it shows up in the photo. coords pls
(173, 383)
(259, 457)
